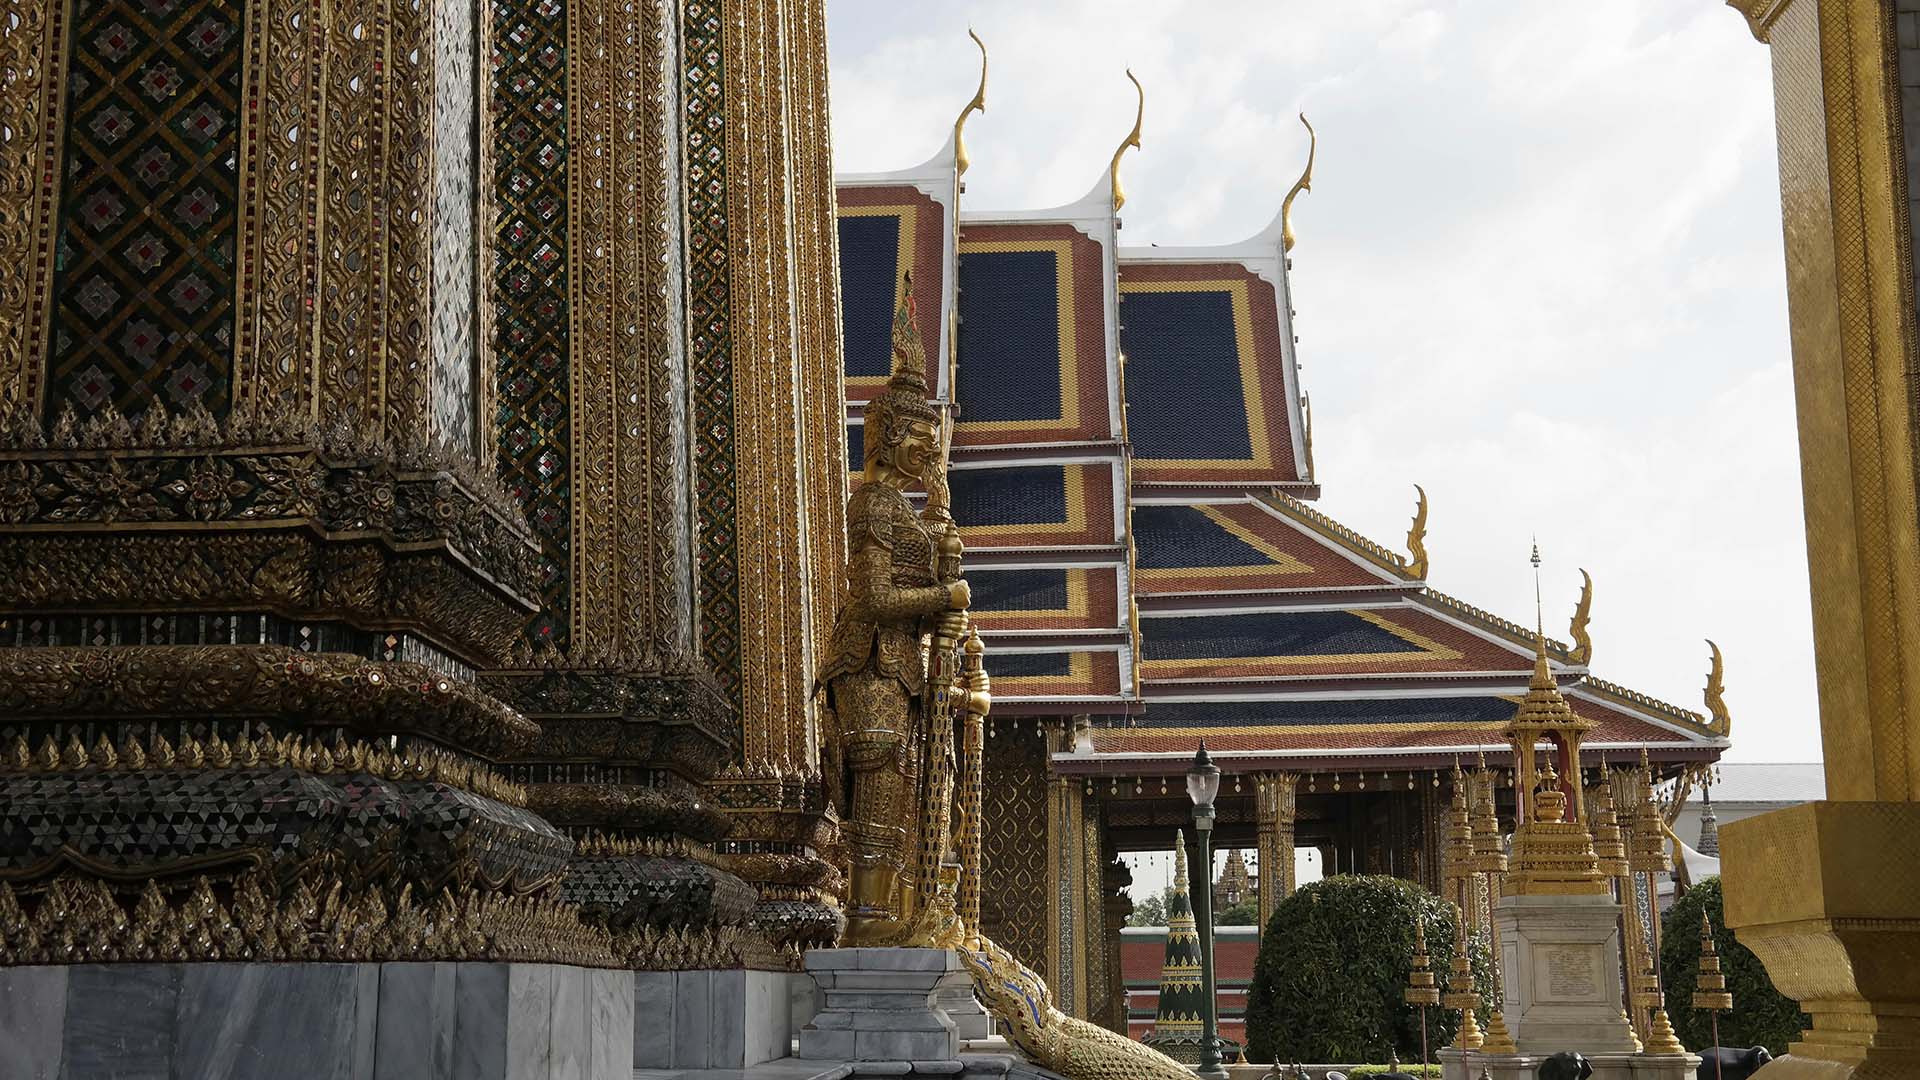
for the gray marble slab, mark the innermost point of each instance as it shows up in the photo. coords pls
(654, 1001)
(529, 1020)
(691, 1014)
(480, 1022)
(120, 1021)
(727, 1020)
(610, 1024)
(266, 1021)
(33, 1011)
(416, 1022)
(567, 1025)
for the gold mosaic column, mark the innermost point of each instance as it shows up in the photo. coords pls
(1274, 810)
(1067, 927)
(789, 435)
(1828, 894)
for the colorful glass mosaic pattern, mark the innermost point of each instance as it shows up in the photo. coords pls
(1032, 341)
(1207, 375)
(884, 231)
(710, 344)
(1183, 362)
(530, 266)
(144, 281)
(1054, 674)
(1035, 505)
(1236, 547)
(1277, 634)
(1046, 598)
(1356, 724)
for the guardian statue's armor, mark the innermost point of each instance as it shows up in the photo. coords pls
(887, 760)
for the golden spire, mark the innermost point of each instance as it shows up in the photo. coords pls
(1716, 687)
(1180, 860)
(978, 104)
(1132, 139)
(1305, 183)
(1416, 565)
(1583, 611)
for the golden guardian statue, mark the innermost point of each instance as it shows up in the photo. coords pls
(892, 680)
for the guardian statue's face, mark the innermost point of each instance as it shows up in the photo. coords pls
(914, 452)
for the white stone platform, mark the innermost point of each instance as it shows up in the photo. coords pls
(1561, 975)
(878, 1005)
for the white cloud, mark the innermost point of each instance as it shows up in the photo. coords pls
(1540, 273)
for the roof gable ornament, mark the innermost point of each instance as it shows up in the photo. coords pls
(1720, 719)
(1582, 651)
(978, 104)
(1416, 562)
(1119, 195)
(1305, 183)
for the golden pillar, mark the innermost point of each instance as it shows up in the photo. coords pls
(1826, 893)
(1067, 927)
(1274, 810)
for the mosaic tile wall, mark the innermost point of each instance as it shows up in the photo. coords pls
(530, 266)
(710, 345)
(144, 284)
(456, 164)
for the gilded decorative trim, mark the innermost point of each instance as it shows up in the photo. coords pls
(411, 762)
(34, 53)
(74, 919)
(314, 689)
(708, 144)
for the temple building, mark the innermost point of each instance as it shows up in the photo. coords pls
(1133, 475)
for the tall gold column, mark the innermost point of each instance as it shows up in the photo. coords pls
(1066, 877)
(1828, 894)
(1274, 810)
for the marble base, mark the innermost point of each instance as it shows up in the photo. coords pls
(878, 1005)
(712, 1019)
(969, 1017)
(403, 1021)
(1561, 974)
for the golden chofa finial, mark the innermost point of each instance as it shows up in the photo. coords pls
(1305, 183)
(1132, 139)
(978, 104)
(1582, 652)
(1721, 720)
(1416, 564)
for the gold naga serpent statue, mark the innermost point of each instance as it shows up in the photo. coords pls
(904, 671)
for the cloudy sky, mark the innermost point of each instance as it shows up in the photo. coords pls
(1539, 273)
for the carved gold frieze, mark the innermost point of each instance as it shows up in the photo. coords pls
(142, 683)
(74, 919)
(410, 762)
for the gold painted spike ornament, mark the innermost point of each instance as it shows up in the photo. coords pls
(1582, 652)
(1716, 689)
(1119, 194)
(1416, 561)
(1305, 183)
(978, 104)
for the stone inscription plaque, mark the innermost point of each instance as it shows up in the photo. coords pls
(1572, 972)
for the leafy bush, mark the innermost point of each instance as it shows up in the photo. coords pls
(1333, 964)
(1432, 1069)
(1761, 1016)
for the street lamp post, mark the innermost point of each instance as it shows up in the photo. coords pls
(1203, 783)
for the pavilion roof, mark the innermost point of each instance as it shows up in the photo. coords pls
(1132, 467)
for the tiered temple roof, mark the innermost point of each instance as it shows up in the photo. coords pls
(1132, 470)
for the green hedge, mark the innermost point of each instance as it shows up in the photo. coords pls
(1410, 1070)
(1761, 1016)
(1333, 965)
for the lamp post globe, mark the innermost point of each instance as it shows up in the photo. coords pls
(1203, 784)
